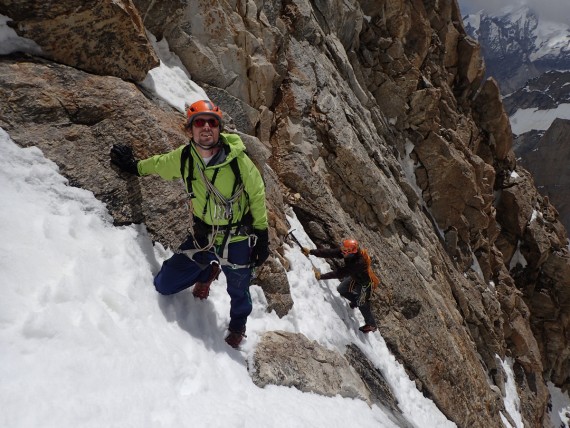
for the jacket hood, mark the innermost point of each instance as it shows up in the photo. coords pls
(235, 143)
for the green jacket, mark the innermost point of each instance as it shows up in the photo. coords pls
(253, 199)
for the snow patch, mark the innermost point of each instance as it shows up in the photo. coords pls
(511, 399)
(560, 410)
(518, 258)
(552, 39)
(528, 119)
(476, 267)
(11, 42)
(535, 214)
(170, 80)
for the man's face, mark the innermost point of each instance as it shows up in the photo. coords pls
(206, 130)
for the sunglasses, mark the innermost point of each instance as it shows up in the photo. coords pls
(200, 122)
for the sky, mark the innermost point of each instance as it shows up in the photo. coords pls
(85, 340)
(550, 10)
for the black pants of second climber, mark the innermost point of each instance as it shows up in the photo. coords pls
(359, 295)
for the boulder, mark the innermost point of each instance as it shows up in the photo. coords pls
(101, 37)
(290, 359)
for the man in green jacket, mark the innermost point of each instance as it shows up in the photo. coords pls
(228, 203)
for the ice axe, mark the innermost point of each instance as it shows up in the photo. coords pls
(294, 238)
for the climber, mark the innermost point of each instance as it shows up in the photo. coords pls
(230, 227)
(358, 279)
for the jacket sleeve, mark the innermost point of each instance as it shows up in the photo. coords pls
(166, 165)
(355, 269)
(334, 253)
(332, 275)
(341, 272)
(255, 189)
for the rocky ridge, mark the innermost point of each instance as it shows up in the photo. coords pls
(544, 152)
(530, 59)
(369, 119)
(545, 92)
(545, 155)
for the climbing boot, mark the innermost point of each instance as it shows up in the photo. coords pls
(201, 290)
(367, 328)
(235, 337)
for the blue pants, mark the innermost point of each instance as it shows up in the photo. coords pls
(180, 272)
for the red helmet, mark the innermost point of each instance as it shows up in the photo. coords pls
(200, 108)
(349, 246)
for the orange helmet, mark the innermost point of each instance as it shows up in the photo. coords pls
(200, 108)
(349, 246)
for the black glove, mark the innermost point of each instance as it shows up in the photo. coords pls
(260, 252)
(201, 230)
(122, 156)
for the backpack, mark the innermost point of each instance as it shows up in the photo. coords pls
(373, 278)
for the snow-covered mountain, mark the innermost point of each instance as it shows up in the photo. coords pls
(539, 102)
(518, 46)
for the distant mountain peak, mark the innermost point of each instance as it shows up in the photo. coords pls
(517, 45)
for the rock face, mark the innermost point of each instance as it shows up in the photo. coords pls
(543, 151)
(545, 92)
(546, 156)
(379, 389)
(531, 66)
(367, 119)
(102, 37)
(75, 118)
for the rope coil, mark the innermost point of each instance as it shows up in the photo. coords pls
(223, 207)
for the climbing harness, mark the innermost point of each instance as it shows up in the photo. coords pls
(222, 260)
(221, 209)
